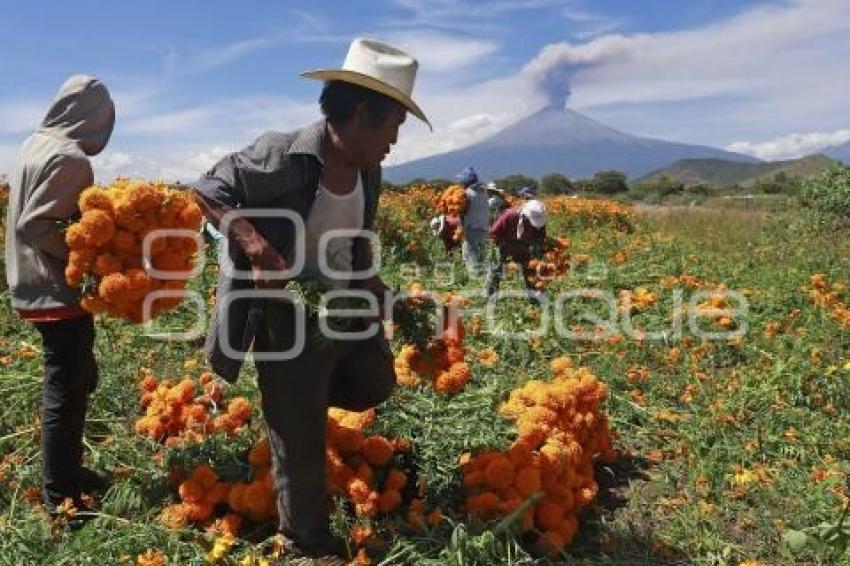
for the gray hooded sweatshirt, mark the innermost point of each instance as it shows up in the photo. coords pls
(51, 171)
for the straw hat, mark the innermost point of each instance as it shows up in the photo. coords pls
(379, 67)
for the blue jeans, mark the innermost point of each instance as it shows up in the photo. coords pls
(473, 250)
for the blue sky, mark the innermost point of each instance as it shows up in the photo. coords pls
(193, 80)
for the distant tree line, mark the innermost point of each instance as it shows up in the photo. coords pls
(603, 183)
(615, 183)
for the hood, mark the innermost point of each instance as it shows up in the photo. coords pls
(82, 112)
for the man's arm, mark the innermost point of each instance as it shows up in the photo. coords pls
(260, 253)
(53, 201)
(245, 179)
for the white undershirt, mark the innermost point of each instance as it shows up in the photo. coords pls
(332, 211)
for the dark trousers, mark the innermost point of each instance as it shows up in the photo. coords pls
(296, 394)
(70, 375)
(497, 271)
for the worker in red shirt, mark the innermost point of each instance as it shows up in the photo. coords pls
(515, 232)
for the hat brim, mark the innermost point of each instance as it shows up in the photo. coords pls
(372, 84)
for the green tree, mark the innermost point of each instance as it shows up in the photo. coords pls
(609, 182)
(555, 184)
(513, 183)
(661, 188)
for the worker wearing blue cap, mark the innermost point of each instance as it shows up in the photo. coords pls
(475, 220)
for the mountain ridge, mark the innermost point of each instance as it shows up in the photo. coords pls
(558, 140)
(720, 173)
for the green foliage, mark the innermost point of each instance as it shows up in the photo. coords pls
(707, 413)
(555, 184)
(609, 183)
(828, 196)
(513, 183)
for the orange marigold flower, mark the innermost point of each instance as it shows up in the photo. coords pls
(260, 454)
(200, 511)
(361, 534)
(499, 473)
(191, 217)
(389, 500)
(240, 408)
(401, 445)
(76, 237)
(396, 480)
(175, 517)
(548, 515)
(113, 287)
(124, 242)
(366, 509)
(434, 517)
(377, 450)
(488, 357)
(191, 491)
(205, 476)
(95, 198)
(483, 504)
(74, 275)
(358, 490)
(151, 557)
(228, 526)
(218, 493)
(99, 225)
(148, 382)
(235, 499)
(528, 481)
(106, 263)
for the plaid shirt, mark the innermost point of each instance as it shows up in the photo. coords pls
(279, 171)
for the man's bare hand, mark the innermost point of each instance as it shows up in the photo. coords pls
(264, 262)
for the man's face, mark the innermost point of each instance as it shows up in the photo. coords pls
(370, 145)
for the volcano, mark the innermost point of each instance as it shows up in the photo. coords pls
(557, 139)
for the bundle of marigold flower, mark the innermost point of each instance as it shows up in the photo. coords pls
(554, 260)
(561, 430)
(200, 493)
(106, 247)
(452, 200)
(441, 362)
(360, 466)
(187, 411)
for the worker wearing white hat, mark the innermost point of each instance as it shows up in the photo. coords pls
(514, 232)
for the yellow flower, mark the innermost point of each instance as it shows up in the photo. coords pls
(220, 548)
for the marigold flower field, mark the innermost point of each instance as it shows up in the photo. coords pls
(680, 397)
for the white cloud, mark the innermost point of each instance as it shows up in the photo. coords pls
(235, 117)
(439, 52)
(193, 166)
(21, 116)
(112, 161)
(302, 27)
(764, 72)
(767, 71)
(592, 24)
(791, 146)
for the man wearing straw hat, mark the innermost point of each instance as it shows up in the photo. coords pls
(326, 177)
